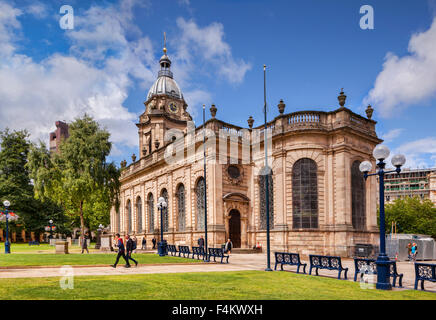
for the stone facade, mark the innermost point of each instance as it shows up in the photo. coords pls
(314, 207)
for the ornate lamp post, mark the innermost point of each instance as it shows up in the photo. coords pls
(6, 215)
(162, 245)
(100, 230)
(381, 152)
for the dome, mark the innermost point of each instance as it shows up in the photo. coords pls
(165, 84)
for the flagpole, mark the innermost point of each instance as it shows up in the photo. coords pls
(205, 189)
(268, 249)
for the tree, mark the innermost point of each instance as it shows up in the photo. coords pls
(412, 215)
(78, 177)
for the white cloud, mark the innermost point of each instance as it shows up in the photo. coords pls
(418, 152)
(37, 9)
(208, 44)
(391, 135)
(196, 99)
(407, 80)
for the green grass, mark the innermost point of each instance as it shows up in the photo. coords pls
(42, 248)
(205, 286)
(82, 259)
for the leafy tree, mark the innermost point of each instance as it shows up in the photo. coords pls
(78, 177)
(412, 215)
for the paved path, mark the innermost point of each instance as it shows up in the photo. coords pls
(238, 262)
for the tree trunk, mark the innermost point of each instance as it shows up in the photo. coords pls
(82, 224)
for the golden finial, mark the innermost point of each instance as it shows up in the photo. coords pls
(165, 43)
(264, 66)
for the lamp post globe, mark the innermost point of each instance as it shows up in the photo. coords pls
(381, 152)
(7, 204)
(398, 160)
(365, 166)
(162, 245)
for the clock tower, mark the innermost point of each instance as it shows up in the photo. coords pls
(165, 108)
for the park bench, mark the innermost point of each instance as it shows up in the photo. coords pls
(292, 259)
(33, 243)
(218, 253)
(327, 262)
(368, 266)
(184, 250)
(199, 251)
(171, 248)
(423, 272)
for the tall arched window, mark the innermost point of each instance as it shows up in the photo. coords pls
(180, 194)
(150, 202)
(129, 216)
(358, 197)
(118, 221)
(139, 214)
(199, 192)
(164, 194)
(262, 201)
(305, 194)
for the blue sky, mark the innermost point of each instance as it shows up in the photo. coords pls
(106, 64)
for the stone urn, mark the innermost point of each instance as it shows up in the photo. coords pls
(133, 157)
(213, 111)
(281, 106)
(250, 122)
(369, 111)
(341, 98)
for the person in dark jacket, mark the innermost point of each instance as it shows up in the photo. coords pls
(201, 242)
(154, 243)
(121, 253)
(144, 244)
(229, 246)
(85, 243)
(130, 246)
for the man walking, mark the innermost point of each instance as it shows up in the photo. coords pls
(130, 247)
(85, 243)
(154, 243)
(201, 242)
(144, 244)
(228, 247)
(121, 253)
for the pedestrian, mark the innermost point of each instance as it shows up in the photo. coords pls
(144, 243)
(414, 251)
(409, 251)
(228, 247)
(154, 243)
(85, 243)
(130, 247)
(121, 253)
(201, 242)
(135, 241)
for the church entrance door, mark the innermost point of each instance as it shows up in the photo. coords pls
(235, 228)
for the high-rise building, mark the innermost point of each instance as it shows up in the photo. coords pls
(56, 137)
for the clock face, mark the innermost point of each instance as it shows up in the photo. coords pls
(173, 107)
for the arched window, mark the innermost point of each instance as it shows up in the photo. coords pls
(129, 216)
(305, 194)
(150, 202)
(164, 194)
(180, 194)
(262, 200)
(139, 214)
(199, 192)
(358, 197)
(118, 221)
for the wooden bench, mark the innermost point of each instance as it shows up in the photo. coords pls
(33, 243)
(218, 253)
(327, 262)
(185, 251)
(424, 272)
(369, 266)
(292, 259)
(199, 251)
(171, 248)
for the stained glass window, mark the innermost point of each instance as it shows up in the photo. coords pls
(181, 207)
(262, 200)
(358, 197)
(150, 203)
(305, 194)
(199, 191)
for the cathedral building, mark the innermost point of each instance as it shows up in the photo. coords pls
(318, 199)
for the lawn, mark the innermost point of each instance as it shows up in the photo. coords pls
(33, 259)
(42, 248)
(211, 285)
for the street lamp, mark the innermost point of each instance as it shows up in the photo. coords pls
(162, 245)
(100, 230)
(7, 215)
(381, 153)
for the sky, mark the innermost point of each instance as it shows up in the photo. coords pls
(106, 64)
